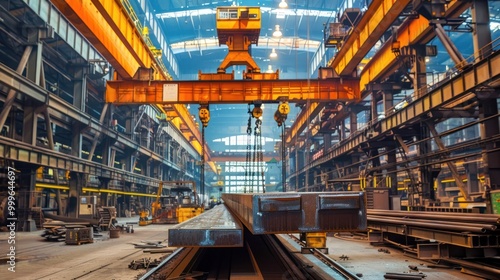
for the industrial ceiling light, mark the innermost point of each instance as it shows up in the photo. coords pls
(277, 31)
(269, 69)
(273, 54)
(283, 4)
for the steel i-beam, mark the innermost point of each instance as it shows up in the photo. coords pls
(299, 212)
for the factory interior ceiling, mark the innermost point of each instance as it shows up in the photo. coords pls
(189, 28)
(185, 33)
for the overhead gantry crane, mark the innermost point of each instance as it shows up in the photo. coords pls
(238, 28)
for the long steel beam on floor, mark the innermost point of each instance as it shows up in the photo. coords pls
(469, 230)
(214, 228)
(268, 213)
(463, 239)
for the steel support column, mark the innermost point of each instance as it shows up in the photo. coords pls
(424, 148)
(327, 141)
(489, 127)
(50, 138)
(76, 182)
(353, 123)
(104, 196)
(471, 171)
(419, 70)
(297, 168)
(76, 140)
(387, 101)
(451, 165)
(26, 196)
(373, 107)
(487, 102)
(98, 133)
(342, 131)
(79, 101)
(34, 73)
(80, 87)
(392, 170)
(30, 120)
(481, 34)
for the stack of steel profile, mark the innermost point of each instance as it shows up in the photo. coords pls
(270, 213)
(458, 222)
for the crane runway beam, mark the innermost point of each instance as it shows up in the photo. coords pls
(239, 91)
(374, 23)
(271, 213)
(214, 228)
(411, 32)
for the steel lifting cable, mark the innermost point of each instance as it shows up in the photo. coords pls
(260, 154)
(249, 147)
(283, 155)
(254, 166)
(202, 170)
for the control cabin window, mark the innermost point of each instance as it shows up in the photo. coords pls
(228, 14)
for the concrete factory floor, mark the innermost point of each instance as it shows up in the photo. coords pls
(108, 259)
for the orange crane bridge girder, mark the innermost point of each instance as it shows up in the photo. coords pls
(108, 27)
(113, 33)
(231, 91)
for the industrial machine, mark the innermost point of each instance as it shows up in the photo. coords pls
(179, 204)
(144, 217)
(87, 207)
